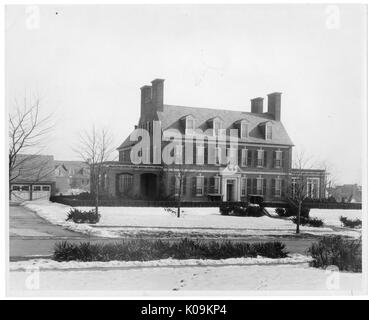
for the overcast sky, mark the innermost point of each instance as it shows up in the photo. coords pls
(87, 64)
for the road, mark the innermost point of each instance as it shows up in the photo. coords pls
(32, 236)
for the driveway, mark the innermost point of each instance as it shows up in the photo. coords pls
(31, 235)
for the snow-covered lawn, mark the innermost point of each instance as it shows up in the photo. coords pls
(332, 217)
(120, 221)
(188, 280)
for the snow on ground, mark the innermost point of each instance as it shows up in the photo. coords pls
(121, 221)
(48, 264)
(332, 217)
(188, 280)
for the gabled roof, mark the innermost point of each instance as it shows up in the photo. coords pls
(171, 115)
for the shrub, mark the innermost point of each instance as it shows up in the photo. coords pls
(351, 223)
(337, 251)
(311, 222)
(281, 212)
(293, 211)
(238, 210)
(79, 216)
(144, 250)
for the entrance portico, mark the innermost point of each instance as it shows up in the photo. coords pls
(231, 183)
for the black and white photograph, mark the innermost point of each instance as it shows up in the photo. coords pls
(186, 150)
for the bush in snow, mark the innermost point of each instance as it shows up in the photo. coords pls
(337, 251)
(311, 222)
(79, 216)
(239, 210)
(281, 212)
(144, 250)
(351, 223)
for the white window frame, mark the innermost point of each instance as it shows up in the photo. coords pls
(244, 134)
(232, 155)
(244, 157)
(260, 159)
(259, 180)
(243, 186)
(190, 131)
(217, 132)
(310, 193)
(278, 187)
(217, 184)
(199, 186)
(178, 154)
(268, 128)
(200, 151)
(218, 155)
(278, 160)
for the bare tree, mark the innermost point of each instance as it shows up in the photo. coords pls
(27, 131)
(95, 148)
(298, 190)
(329, 179)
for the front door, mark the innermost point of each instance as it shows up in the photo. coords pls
(230, 187)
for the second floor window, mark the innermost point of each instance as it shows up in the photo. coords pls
(200, 155)
(260, 159)
(244, 158)
(278, 159)
(216, 184)
(278, 187)
(178, 154)
(218, 155)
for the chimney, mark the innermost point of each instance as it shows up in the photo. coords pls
(257, 105)
(158, 94)
(145, 98)
(274, 105)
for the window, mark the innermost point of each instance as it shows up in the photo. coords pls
(199, 185)
(218, 155)
(278, 187)
(293, 187)
(36, 188)
(278, 159)
(259, 185)
(243, 186)
(217, 184)
(260, 159)
(125, 182)
(45, 188)
(178, 154)
(200, 155)
(232, 155)
(244, 130)
(268, 132)
(244, 158)
(190, 126)
(313, 188)
(15, 188)
(217, 128)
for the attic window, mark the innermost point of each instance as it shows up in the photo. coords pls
(217, 127)
(190, 125)
(268, 132)
(244, 130)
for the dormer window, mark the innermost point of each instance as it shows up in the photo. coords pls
(244, 130)
(268, 132)
(190, 126)
(217, 126)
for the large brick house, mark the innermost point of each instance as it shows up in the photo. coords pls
(220, 154)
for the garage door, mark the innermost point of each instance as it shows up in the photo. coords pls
(20, 192)
(41, 192)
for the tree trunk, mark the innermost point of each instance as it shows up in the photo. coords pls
(298, 218)
(97, 196)
(179, 199)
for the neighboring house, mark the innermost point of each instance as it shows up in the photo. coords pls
(347, 193)
(32, 177)
(260, 163)
(72, 177)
